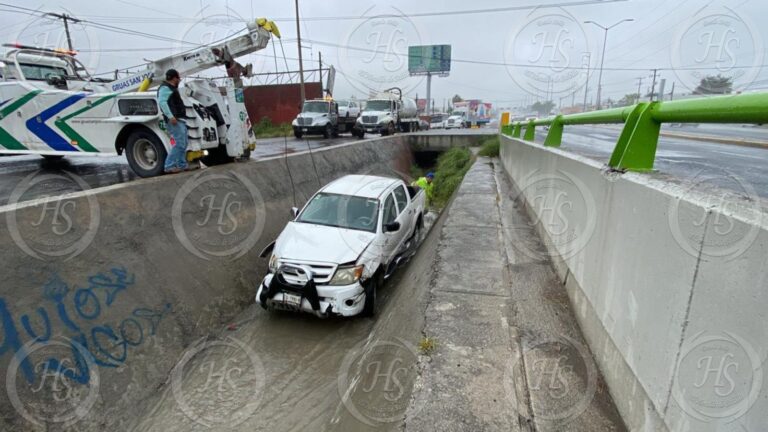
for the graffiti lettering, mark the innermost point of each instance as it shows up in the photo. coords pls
(104, 345)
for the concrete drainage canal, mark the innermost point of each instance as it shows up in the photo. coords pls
(134, 309)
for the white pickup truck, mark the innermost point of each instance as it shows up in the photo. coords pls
(335, 253)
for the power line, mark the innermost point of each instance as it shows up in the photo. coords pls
(431, 14)
(495, 63)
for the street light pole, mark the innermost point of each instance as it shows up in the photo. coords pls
(602, 60)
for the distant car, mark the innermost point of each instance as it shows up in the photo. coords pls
(436, 122)
(454, 122)
(349, 109)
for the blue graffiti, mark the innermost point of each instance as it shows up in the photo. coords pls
(90, 344)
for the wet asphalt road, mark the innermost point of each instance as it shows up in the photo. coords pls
(743, 170)
(103, 171)
(95, 171)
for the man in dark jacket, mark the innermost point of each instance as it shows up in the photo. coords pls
(175, 116)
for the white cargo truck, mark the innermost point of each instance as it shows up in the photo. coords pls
(51, 106)
(387, 113)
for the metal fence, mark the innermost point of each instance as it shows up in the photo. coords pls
(636, 147)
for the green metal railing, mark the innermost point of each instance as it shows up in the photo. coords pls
(636, 147)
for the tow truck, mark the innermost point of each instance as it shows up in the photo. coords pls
(51, 106)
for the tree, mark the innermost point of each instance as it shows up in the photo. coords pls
(457, 98)
(712, 84)
(628, 99)
(543, 108)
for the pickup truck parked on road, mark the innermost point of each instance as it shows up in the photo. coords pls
(337, 251)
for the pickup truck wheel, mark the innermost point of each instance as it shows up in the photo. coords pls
(369, 308)
(417, 234)
(297, 134)
(145, 153)
(328, 131)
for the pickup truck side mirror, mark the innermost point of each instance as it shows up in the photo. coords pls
(392, 227)
(294, 211)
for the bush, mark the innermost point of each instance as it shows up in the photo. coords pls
(451, 167)
(266, 129)
(490, 147)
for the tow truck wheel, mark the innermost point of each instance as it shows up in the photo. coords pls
(145, 153)
(328, 131)
(369, 308)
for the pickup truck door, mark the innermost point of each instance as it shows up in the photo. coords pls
(392, 240)
(406, 211)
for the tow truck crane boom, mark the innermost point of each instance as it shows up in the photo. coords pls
(205, 57)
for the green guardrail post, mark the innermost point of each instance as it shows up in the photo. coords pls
(530, 131)
(517, 131)
(636, 147)
(555, 134)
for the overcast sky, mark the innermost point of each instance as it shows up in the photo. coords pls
(508, 57)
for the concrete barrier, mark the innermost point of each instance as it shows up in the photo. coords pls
(103, 289)
(667, 281)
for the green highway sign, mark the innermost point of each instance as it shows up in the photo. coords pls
(424, 59)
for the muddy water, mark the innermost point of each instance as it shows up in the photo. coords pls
(283, 371)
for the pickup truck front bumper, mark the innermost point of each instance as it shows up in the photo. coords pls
(321, 300)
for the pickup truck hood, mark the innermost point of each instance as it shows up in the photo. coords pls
(309, 242)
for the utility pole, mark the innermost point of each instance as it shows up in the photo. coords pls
(586, 84)
(429, 92)
(320, 71)
(301, 62)
(653, 86)
(672, 93)
(66, 18)
(639, 85)
(602, 60)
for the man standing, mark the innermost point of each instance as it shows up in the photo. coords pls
(425, 183)
(175, 115)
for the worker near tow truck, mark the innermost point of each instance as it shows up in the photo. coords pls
(175, 116)
(425, 183)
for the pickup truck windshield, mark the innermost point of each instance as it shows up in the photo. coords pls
(342, 211)
(315, 107)
(378, 105)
